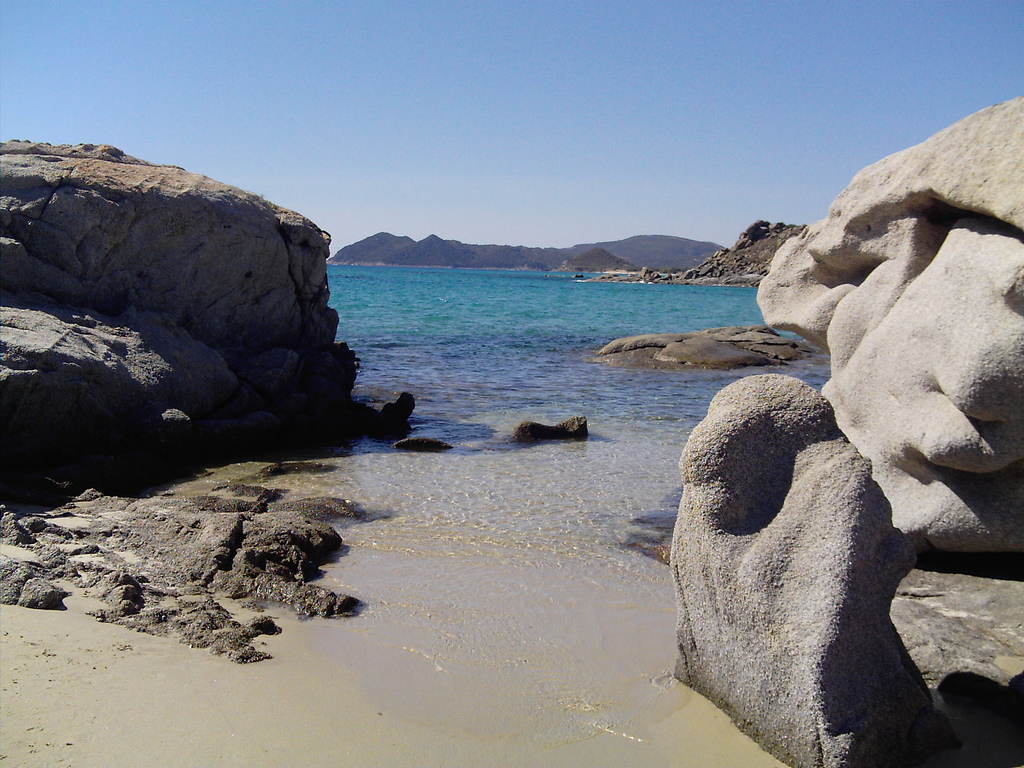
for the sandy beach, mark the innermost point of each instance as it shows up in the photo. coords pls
(79, 693)
(76, 692)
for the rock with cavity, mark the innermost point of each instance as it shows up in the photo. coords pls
(915, 286)
(785, 563)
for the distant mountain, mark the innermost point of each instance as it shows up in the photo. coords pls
(659, 251)
(596, 260)
(656, 251)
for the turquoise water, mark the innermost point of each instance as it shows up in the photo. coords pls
(481, 348)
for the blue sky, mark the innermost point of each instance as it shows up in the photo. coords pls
(533, 123)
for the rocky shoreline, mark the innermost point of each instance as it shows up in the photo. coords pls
(151, 316)
(744, 264)
(163, 566)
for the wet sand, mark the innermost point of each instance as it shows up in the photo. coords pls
(75, 692)
(79, 693)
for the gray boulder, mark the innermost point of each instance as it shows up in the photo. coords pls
(92, 227)
(715, 348)
(960, 623)
(785, 563)
(144, 306)
(913, 284)
(20, 584)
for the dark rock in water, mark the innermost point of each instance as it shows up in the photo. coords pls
(394, 417)
(425, 444)
(710, 353)
(786, 561)
(574, 428)
(747, 262)
(322, 508)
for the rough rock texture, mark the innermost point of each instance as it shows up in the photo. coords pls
(161, 565)
(573, 428)
(731, 347)
(915, 285)
(143, 305)
(955, 623)
(785, 564)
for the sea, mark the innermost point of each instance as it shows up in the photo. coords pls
(510, 601)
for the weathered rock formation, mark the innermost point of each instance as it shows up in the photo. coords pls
(731, 347)
(915, 285)
(143, 305)
(785, 563)
(162, 565)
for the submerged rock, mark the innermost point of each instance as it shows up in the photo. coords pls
(574, 428)
(718, 348)
(785, 563)
(422, 444)
(926, 245)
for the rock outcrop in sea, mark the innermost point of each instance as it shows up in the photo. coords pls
(915, 285)
(746, 263)
(735, 346)
(146, 307)
(788, 545)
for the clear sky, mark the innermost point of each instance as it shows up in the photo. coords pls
(526, 123)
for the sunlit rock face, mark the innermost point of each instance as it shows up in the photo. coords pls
(915, 286)
(785, 562)
(142, 304)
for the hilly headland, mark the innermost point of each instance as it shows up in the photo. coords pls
(385, 249)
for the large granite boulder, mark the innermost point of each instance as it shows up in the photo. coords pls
(785, 563)
(915, 285)
(145, 305)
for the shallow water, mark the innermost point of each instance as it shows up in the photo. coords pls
(503, 605)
